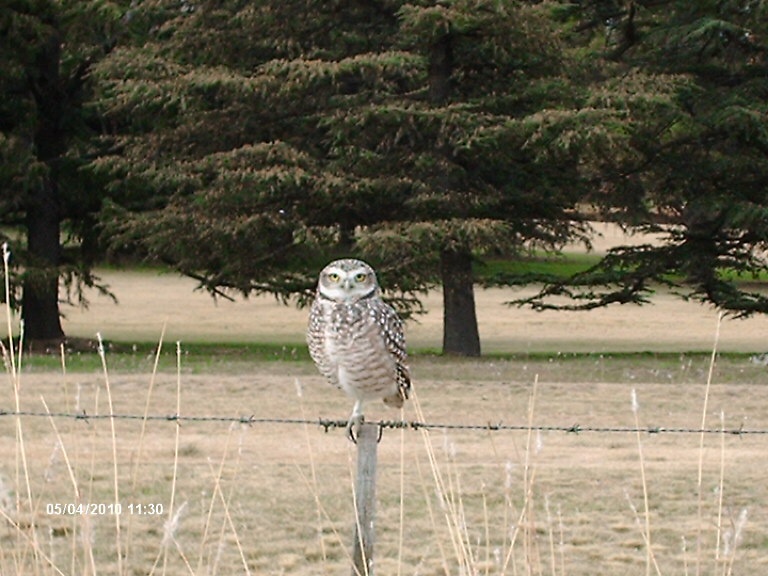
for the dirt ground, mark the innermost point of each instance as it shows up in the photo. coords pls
(149, 300)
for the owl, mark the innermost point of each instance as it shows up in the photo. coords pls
(356, 339)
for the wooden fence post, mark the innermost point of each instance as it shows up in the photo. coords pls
(365, 500)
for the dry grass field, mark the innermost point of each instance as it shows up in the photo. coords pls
(215, 496)
(219, 497)
(148, 301)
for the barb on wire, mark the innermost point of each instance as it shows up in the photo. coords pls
(328, 424)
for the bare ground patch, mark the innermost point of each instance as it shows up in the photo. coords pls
(148, 301)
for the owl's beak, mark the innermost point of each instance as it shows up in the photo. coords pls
(347, 290)
(348, 296)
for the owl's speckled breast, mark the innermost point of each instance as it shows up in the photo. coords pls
(346, 319)
(355, 343)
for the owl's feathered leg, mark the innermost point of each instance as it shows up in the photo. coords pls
(356, 420)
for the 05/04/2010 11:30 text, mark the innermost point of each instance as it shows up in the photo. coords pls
(103, 509)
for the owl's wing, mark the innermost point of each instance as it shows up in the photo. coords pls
(394, 339)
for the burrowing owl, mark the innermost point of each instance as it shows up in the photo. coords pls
(356, 339)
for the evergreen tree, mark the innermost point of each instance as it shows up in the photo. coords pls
(693, 160)
(464, 143)
(270, 134)
(47, 50)
(215, 148)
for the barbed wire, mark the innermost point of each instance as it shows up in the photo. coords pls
(328, 424)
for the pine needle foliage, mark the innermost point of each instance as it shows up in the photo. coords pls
(245, 144)
(246, 166)
(694, 164)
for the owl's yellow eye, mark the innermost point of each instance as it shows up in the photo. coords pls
(334, 277)
(361, 277)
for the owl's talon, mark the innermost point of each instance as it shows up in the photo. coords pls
(353, 426)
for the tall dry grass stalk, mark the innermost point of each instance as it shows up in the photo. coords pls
(433, 522)
(532, 448)
(171, 524)
(725, 541)
(225, 501)
(720, 490)
(448, 488)
(650, 558)
(447, 498)
(13, 361)
(401, 527)
(526, 519)
(703, 425)
(77, 494)
(313, 485)
(115, 471)
(142, 436)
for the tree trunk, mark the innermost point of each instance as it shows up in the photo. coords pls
(460, 333)
(40, 290)
(40, 296)
(440, 69)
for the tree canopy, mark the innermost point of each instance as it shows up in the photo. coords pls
(244, 144)
(695, 166)
(403, 132)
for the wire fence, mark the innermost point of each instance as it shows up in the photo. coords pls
(328, 424)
